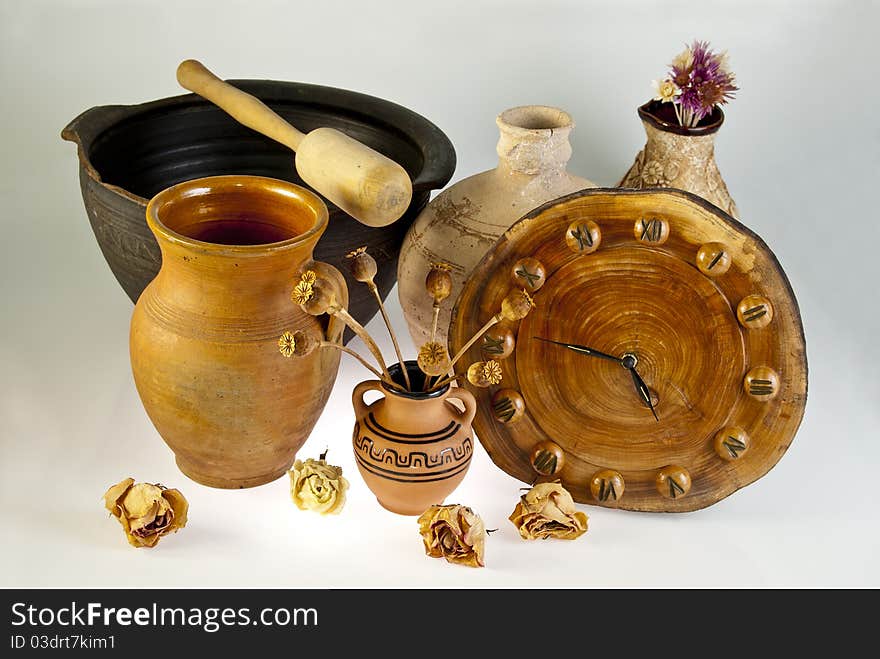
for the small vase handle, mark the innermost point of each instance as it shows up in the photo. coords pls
(335, 326)
(469, 402)
(357, 397)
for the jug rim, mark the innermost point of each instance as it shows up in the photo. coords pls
(649, 114)
(265, 185)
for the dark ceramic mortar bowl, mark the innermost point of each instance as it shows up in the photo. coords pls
(127, 154)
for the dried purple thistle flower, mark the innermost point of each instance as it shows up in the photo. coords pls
(705, 80)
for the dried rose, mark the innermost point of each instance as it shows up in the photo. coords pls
(147, 512)
(483, 374)
(516, 305)
(433, 358)
(455, 533)
(548, 511)
(316, 485)
(363, 266)
(438, 282)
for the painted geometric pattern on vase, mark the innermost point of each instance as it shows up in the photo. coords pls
(400, 465)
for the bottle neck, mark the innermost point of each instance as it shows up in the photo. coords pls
(533, 140)
(416, 415)
(227, 284)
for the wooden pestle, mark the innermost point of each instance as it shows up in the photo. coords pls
(370, 187)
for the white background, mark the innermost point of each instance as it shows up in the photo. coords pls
(800, 152)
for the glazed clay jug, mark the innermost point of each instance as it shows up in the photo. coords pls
(679, 157)
(204, 334)
(460, 225)
(412, 448)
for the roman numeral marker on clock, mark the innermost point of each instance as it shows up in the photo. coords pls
(508, 405)
(734, 446)
(651, 230)
(754, 312)
(493, 346)
(673, 481)
(731, 443)
(762, 382)
(583, 237)
(607, 486)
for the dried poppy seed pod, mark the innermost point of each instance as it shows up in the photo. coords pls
(483, 374)
(302, 292)
(321, 300)
(363, 266)
(433, 359)
(287, 344)
(304, 343)
(438, 283)
(516, 305)
(475, 375)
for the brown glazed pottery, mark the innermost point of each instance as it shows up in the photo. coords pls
(127, 154)
(204, 333)
(412, 448)
(680, 157)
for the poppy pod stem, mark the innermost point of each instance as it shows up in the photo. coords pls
(349, 351)
(494, 320)
(375, 291)
(374, 371)
(434, 321)
(443, 382)
(359, 329)
(433, 337)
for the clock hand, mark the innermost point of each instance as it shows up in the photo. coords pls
(641, 388)
(584, 350)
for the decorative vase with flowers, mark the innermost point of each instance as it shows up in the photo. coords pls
(681, 122)
(412, 446)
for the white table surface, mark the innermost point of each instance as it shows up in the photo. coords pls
(800, 152)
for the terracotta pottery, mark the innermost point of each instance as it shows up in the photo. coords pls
(204, 333)
(464, 221)
(413, 448)
(678, 157)
(127, 154)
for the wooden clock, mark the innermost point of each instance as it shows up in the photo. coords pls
(663, 366)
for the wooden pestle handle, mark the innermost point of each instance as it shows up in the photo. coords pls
(241, 106)
(370, 187)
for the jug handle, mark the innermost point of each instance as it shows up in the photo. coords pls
(470, 404)
(335, 326)
(357, 397)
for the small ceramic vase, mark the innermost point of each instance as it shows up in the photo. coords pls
(678, 157)
(412, 448)
(204, 333)
(460, 225)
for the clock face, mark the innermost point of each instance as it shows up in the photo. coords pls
(663, 366)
